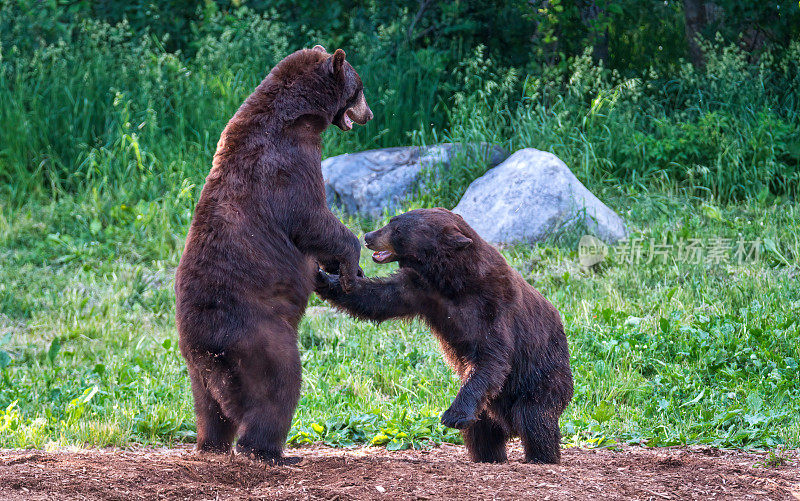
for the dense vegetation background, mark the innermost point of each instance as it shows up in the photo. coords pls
(102, 92)
(682, 116)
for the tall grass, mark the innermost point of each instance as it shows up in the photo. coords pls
(112, 111)
(727, 132)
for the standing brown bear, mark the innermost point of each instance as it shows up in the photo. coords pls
(503, 338)
(258, 231)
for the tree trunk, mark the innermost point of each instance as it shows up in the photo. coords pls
(698, 15)
(696, 20)
(590, 13)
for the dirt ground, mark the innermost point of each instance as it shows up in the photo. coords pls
(372, 473)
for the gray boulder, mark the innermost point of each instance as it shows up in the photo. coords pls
(532, 195)
(368, 182)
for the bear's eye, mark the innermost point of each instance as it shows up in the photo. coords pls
(397, 235)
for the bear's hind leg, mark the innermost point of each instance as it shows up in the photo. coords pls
(270, 376)
(215, 432)
(485, 440)
(538, 429)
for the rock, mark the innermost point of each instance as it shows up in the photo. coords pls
(368, 182)
(532, 195)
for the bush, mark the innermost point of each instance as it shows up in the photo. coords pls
(728, 131)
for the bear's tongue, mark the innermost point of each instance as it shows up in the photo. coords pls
(381, 256)
(348, 122)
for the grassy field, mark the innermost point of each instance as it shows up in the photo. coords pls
(662, 353)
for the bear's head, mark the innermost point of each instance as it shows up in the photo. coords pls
(311, 83)
(352, 106)
(420, 236)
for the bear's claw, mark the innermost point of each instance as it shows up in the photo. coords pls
(457, 419)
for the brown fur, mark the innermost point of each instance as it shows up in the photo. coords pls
(258, 230)
(502, 337)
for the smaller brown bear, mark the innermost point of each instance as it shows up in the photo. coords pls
(502, 337)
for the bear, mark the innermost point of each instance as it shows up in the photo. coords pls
(259, 232)
(503, 338)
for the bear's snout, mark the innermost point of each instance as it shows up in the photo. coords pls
(361, 113)
(369, 239)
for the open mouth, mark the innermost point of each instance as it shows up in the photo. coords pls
(383, 256)
(348, 120)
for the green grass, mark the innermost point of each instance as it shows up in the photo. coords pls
(662, 354)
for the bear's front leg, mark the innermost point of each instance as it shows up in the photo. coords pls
(375, 299)
(321, 235)
(485, 381)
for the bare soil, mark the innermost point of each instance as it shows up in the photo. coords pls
(372, 473)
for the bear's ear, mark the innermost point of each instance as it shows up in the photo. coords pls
(320, 48)
(338, 61)
(455, 239)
